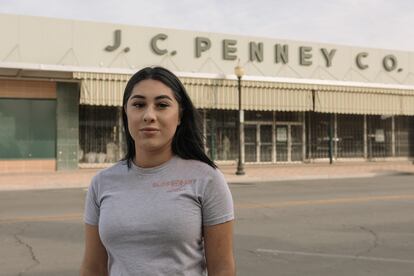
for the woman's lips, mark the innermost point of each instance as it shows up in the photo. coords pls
(149, 130)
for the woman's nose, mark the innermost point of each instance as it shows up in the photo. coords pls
(149, 115)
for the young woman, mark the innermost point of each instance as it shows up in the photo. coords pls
(165, 209)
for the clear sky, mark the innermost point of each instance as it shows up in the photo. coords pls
(387, 24)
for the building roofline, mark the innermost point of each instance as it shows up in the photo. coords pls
(70, 68)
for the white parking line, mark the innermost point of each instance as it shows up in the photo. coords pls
(336, 256)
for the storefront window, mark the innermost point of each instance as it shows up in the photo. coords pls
(296, 142)
(350, 132)
(318, 134)
(288, 116)
(266, 143)
(260, 116)
(250, 143)
(27, 129)
(379, 134)
(221, 134)
(101, 136)
(282, 143)
(404, 133)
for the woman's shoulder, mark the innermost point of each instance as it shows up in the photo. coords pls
(199, 167)
(192, 163)
(118, 168)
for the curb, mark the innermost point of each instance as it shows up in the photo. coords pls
(297, 178)
(232, 180)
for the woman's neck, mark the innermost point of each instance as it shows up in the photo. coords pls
(150, 159)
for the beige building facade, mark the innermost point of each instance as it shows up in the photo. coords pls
(61, 85)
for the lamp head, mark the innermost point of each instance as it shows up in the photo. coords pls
(239, 71)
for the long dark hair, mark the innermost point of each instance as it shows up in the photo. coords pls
(188, 141)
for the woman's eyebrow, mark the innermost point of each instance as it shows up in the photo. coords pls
(163, 97)
(136, 97)
(156, 98)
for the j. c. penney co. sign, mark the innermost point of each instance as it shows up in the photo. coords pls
(281, 52)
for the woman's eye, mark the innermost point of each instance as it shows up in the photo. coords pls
(163, 105)
(138, 105)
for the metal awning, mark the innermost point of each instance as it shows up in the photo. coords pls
(361, 103)
(101, 89)
(207, 93)
(223, 94)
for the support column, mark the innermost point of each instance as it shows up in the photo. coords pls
(242, 136)
(274, 138)
(213, 136)
(303, 136)
(309, 136)
(365, 137)
(121, 138)
(67, 142)
(258, 153)
(335, 123)
(330, 134)
(289, 145)
(205, 129)
(393, 136)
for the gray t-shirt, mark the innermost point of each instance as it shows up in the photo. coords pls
(150, 219)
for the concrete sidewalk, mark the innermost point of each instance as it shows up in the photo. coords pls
(254, 173)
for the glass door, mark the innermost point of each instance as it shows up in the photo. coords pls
(265, 143)
(296, 143)
(282, 143)
(379, 136)
(289, 143)
(250, 143)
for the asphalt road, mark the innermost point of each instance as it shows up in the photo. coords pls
(319, 227)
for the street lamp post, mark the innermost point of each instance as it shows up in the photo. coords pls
(239, 72)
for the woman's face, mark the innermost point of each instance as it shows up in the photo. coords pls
(153, 116)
